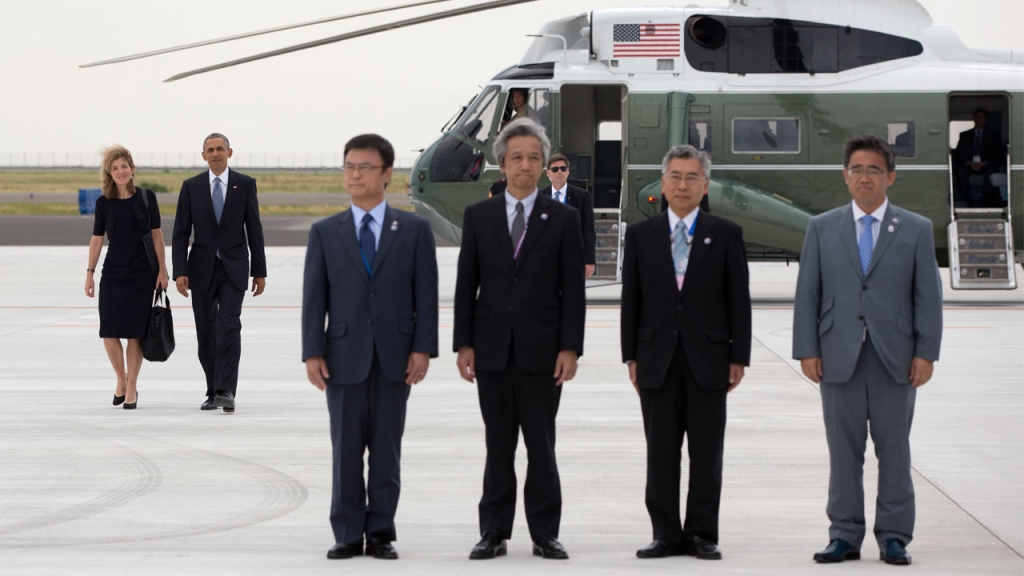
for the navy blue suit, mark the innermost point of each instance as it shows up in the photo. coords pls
(366, 326)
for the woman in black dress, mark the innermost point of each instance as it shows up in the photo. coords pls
(127, 280)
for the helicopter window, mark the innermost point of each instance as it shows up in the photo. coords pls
(700, 135)
(537, 107)
(903, 139)
(741, 45)
(766, 135)
(476, 122)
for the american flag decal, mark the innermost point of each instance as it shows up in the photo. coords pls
(645, 41)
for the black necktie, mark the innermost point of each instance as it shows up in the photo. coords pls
(367, 243)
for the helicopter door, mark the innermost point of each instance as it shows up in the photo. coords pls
(980, 235)
(591, 127)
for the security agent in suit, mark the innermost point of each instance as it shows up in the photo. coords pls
(578, 198)
(867, 324)
(372, 272)
(978, 152)
(685, 324)
(219, 209)
(519, 312)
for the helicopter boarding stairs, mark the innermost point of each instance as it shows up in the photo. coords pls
(981, 251)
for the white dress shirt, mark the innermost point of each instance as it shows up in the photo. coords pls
(876, 226)
(376, 220)
(510, 207)
(223, 182)
(687, 222)
(564, 191)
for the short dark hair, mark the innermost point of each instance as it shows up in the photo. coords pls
(982, 110)
(871, 143)
(213, 135)
(558, 158)
(373, 142)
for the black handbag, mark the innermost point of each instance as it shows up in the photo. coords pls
(158, 342)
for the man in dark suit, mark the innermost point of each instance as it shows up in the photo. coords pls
(578, 198)
(686, 338)
(519, 312)
(978, 153)
(372, 272)
(220, 210)
(867, 327)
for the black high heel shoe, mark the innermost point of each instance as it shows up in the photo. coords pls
(118, 400)
(131, 406)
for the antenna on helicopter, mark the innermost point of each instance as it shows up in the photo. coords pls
(347, 36)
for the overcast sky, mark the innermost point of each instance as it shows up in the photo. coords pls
(403, 84)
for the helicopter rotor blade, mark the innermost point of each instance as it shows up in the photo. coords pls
(356, 34)
(257, 33)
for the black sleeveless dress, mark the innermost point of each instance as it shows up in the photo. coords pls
(127, 279)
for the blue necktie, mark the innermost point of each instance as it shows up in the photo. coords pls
(680, 252)
(367, 243)
(218, 198)
(558, 195)
(867, 243)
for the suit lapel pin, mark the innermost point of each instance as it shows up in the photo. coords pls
(895, 220)
(707, 240)
(394, 225)
(891, 228)
(544, 216)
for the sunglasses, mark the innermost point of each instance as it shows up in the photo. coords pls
(559, 168)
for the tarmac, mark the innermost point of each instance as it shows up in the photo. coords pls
(87, 488)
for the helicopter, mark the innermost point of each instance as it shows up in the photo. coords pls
(771, 89)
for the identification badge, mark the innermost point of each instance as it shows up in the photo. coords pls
(976, 159)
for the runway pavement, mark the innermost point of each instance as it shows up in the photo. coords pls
(86, 488)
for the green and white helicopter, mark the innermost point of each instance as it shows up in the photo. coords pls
(771, 89)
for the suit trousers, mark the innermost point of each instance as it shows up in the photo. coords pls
(509, 400)
(871, 396)
(369, 415)
(218, 312)
(678, 408)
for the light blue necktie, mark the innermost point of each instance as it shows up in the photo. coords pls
(867, 243)
(558, 195)
(680, 252)
(218, 198)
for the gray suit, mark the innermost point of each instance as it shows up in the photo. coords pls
(373, 323)
(867, 329)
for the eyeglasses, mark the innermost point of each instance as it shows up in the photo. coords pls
(871, 171)
(361, 168)
(689, 179)
(559, 168)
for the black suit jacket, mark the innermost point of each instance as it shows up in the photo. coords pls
(581, 200)
(240, 221)
(711, 314)
(990, 148)
(535, 303)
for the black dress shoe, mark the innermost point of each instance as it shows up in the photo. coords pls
(209, 404)
(893, 552)
(381, 549)
(132, 405)
(659, 549)
(489, 547)
(837, 551)
(118, 400)
(550, 549)
(345, 551)
(702, 549)
(225, 400)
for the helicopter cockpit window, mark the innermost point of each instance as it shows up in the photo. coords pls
(700, 135)
(455, 160)
(766, 135)
(528, 103)
(476, 122)
(741, 45)
(903, 139)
